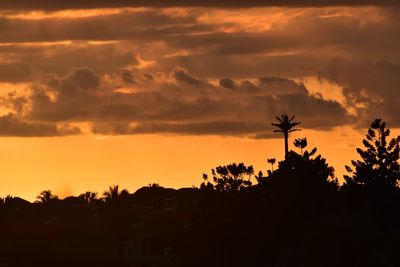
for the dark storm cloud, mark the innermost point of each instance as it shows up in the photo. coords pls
(85, 4)
(11, 125)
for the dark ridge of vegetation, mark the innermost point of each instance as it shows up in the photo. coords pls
(295, 215)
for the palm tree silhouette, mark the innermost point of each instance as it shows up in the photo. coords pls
(285, 126)
(88, 197)
(113, 194)
(272, 162)
(300, 143)
(46, 197)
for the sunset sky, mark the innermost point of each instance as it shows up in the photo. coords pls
(131, 92)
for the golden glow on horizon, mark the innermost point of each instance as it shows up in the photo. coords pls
(72, 165)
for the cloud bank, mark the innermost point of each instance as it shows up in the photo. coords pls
(89, 4)
(195, 70)
(169, 103)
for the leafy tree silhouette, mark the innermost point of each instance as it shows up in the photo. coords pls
(379, 165)
(285, 126)
(300, 143)
(230, 178)
(46, 196)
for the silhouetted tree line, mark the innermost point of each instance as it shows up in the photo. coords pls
(294, 215)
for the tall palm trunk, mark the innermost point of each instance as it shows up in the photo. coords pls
(286, 126)
(286, 136)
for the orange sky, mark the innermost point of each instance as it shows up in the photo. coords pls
(71, 165)
(137, 94)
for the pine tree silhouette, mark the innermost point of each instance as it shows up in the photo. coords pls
(379, 164)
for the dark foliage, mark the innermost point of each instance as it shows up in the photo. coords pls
(296, 215)
(303, 173)
(230, 178)
(300, 143)
(379, 165)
